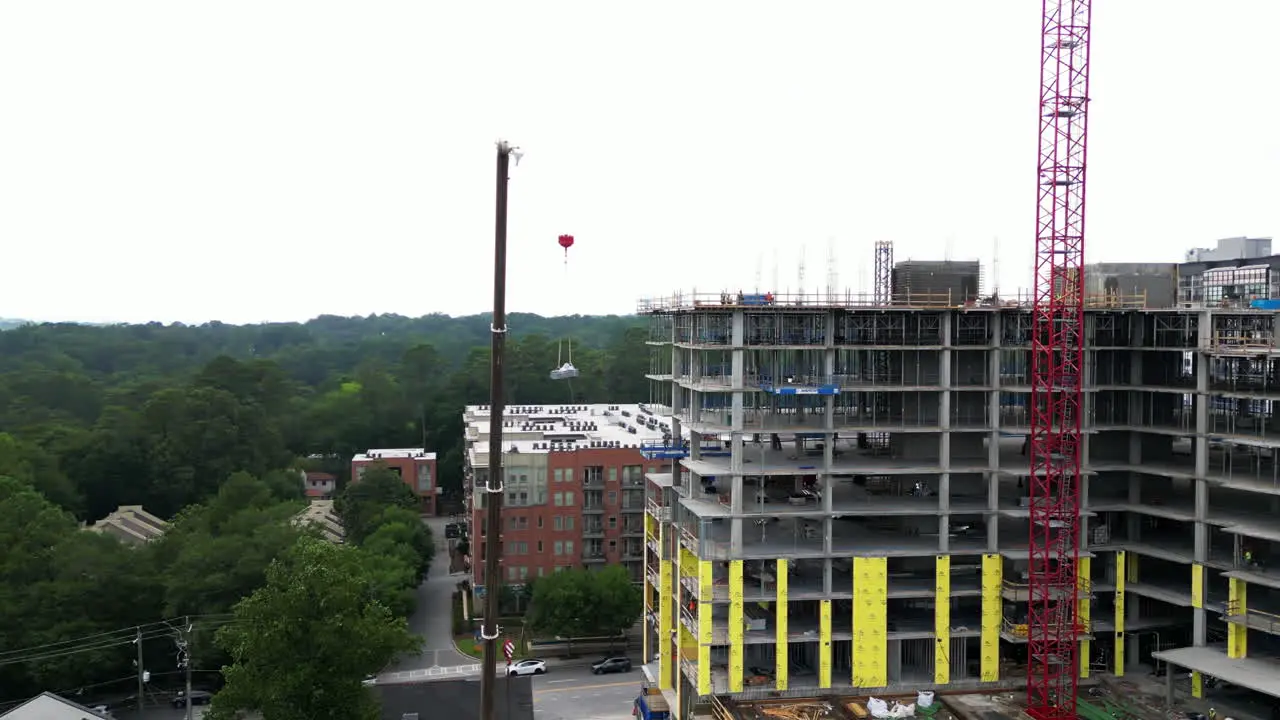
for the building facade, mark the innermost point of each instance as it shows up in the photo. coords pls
(415, 466)
(574, 487)
(865, 526)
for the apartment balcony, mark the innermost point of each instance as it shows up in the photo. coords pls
(662, 514)
(633, 554)
(591, 558)
(593, 531)
(593, 508)
(633, 530)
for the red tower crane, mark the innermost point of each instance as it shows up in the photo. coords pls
(1057, 355)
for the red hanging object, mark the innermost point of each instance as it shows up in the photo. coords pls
(566, 242)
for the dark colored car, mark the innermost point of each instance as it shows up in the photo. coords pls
(198, 697)
(611, 665)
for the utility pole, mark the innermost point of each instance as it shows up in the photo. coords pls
(184, 659)
(489, 630)
(138, 641)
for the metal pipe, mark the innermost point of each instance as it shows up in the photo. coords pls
(490, 631)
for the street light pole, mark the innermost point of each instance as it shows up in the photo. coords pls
(493, 488)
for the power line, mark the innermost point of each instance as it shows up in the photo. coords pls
(131, 631)
(100, 641)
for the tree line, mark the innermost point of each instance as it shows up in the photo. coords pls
(208, 427)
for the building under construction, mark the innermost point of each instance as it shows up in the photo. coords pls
(850, 512)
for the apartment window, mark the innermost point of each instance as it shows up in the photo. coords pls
(512, 573)
(559, 476)
(558, 499)
(524, 548)
(613, 474)
(568, 474)
(524, 522)
(568, 522)
(613, 497)
(484, 525)
(568, 547)
(568, 499)
(613, 521)
(539, 546)
(632, 474)
(540, 496)
(559, 547)
(558, 523)
(524, 573)
(424, 478)
(593, 474)
(539, 522)
(539, 572)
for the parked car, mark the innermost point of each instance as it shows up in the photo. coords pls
(198, 697)
(615, 664)
(527, 667)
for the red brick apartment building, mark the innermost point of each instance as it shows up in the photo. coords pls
(415, 466)
(574, 489)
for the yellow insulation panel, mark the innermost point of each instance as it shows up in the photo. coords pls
(666, 617)
(992, 612)
(780, 627)
(1121, 579)
(705, 629)
(1237, 632)
(870, 630)
(942, 621)
(736, 626)
(1197, 586)
(824, 644)
(1084, 573)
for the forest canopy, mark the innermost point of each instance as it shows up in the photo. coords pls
(94, 417)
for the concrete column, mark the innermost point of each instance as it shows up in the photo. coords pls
(1199, 631)
(944, 439)
(894, 660)
(828, 442)
(993, 439)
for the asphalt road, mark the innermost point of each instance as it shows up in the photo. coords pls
(433, 617)
(573, 693)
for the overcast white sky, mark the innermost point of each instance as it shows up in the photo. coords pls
(276, 159)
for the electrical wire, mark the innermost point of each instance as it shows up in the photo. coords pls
(103, 641)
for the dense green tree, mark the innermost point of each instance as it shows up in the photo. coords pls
(290, 659)
(363, 500)
(584, 603)
(207, 426)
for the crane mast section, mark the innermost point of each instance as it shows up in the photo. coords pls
(1057, 363)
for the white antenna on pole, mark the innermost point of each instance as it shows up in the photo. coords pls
(800, 274)
(831, 270)
(995, 267)
(759, 267)
(950, 241)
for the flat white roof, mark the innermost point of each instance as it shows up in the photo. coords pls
(537, 428)
(393, 453)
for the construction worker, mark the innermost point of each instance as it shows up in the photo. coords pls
(1248, 558)
(1213, 714)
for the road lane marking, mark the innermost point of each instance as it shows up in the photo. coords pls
(634, 683)
(553, 682)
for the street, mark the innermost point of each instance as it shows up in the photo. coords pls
(432, 620)
(573, 693)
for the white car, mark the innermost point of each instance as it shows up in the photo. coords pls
(527, 667)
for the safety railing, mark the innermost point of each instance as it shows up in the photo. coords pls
(1239, 345)
(1254, 619)
(684, 301)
